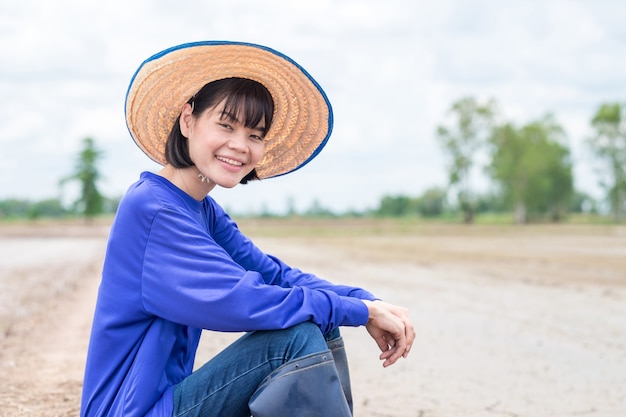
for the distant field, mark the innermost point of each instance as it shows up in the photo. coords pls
(549, 253)
(553, 252)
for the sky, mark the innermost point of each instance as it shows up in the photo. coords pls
(391, 70)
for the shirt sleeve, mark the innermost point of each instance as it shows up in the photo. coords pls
(190, 279)
(273, 270)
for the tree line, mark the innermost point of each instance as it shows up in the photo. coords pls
(90, 202)
(529, 168)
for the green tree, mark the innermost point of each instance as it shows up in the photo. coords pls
(396, 206)
(14, 208)
(582, 202)
(47, 208)
(431, 203)
(490, 202)
(90, 202)
(317, 210)
(462, 139)
(609, 145)
(291, 207)
(533, 169)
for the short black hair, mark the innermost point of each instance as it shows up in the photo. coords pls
(242, 96)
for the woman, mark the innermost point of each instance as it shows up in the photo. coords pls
(221, 113)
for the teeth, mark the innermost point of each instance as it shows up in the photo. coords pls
(230, 161)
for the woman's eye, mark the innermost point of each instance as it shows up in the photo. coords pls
(256, 137)
(226, 126)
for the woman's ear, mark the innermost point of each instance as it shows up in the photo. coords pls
(186, 120)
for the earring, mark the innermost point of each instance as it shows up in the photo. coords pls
(204, 178)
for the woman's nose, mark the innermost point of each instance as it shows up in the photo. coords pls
(238, 142)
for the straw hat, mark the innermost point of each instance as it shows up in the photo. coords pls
(163, 83)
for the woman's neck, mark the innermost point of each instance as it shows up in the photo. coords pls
(188, 180)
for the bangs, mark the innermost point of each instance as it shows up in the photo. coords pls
(249, 103)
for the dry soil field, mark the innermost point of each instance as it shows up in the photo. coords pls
(511, 321)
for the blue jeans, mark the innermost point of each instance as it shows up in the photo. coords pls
(223, 385)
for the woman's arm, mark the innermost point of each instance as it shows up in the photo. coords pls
(190, 279)
(273, 270)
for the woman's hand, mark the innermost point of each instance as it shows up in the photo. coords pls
(391, 327)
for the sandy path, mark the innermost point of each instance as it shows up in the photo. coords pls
(45, 330)
(519, 325)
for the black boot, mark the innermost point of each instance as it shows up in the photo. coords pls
(305, 387)
(338, 350)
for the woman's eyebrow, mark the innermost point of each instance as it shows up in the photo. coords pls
(261, 129)
(234, 119)
(230, 116)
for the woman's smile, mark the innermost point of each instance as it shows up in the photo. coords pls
(230, 163)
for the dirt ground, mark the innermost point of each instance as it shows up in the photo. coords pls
(511, 321)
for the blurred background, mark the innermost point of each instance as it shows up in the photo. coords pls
(446, 112)
(441, 108)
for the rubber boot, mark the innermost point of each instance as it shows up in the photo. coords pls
(338, 350)
(305, 387)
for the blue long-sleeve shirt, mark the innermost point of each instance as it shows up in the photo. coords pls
(175, 266)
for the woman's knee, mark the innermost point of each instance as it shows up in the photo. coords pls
(307, 331)
(302, 339)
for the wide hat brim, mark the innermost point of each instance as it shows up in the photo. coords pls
(163, 83)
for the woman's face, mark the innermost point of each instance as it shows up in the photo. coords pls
(220, 146)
